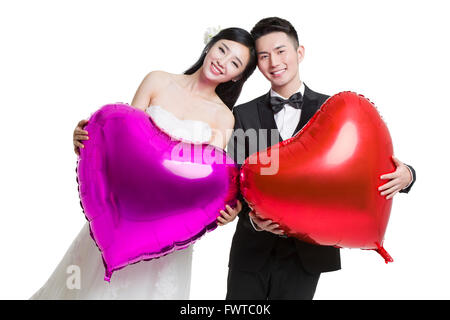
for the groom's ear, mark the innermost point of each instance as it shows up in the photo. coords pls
(300, 53)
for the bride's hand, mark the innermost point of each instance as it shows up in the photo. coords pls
(230, 215)
(79, 135)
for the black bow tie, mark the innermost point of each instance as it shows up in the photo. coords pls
(277, 103)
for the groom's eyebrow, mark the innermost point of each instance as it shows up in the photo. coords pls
(229, 50)
(276, 48)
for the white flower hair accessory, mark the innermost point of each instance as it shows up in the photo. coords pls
(210, 33)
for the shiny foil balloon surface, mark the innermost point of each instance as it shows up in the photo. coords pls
(144, 193)
(325, 189)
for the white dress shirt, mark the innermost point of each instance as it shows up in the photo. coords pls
(289, 117)
(287, 121)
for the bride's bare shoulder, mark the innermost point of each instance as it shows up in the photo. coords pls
(224, 117)
(158, 77)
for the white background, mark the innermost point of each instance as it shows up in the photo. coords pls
(61, 60)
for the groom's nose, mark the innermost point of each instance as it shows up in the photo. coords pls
(274, 60)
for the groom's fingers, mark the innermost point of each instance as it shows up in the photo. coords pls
(274, 229)
(266, 225)
(390, 192)
(258, 221)
(387, 185)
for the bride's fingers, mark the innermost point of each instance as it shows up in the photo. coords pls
(80, 137)
(80, 130)
(82, 123)
(80, 133)
(78, 144)
(238, 206)
(222, 221)
(225, 215)
(232, 212)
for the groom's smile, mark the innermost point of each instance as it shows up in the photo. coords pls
(278, 73)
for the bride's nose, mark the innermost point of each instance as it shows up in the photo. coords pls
(222, 62)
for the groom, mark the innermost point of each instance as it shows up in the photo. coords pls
(264, 263)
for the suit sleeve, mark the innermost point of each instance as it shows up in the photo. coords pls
(413, 172)
(237, 150)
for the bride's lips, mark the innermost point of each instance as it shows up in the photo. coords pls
(277, 73)
(215, 70)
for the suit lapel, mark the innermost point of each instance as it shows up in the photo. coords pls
(309, 108)
(266, 119)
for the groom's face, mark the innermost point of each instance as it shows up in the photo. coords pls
(278, 58)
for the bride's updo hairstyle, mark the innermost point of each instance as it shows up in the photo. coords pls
(229, 91)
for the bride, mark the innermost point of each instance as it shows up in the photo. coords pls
(194, 106)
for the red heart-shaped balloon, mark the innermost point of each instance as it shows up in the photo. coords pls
(325, 189)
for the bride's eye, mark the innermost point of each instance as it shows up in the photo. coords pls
(235, 64)
(221, 49)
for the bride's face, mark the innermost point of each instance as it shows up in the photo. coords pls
(225, 61)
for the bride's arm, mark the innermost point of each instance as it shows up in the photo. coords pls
(147, 89)
(223, 130)
(220, 137)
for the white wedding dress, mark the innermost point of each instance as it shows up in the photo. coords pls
(166, 278)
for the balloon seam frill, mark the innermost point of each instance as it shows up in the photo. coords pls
(179, 245)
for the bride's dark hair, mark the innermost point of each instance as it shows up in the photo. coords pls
(229, 91)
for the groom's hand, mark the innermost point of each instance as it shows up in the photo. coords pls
(398, 180)
(265, 225)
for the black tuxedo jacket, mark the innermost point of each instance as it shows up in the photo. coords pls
(250, 249)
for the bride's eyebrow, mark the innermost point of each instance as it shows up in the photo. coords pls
(228, 49)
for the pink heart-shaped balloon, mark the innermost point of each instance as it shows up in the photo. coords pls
(144, 193)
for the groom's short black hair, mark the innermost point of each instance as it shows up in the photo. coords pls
(275, 24)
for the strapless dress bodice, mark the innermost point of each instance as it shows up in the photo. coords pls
(194, 131)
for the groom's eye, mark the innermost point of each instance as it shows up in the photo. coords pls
(235, 64)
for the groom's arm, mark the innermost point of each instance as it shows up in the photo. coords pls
(413, 173)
